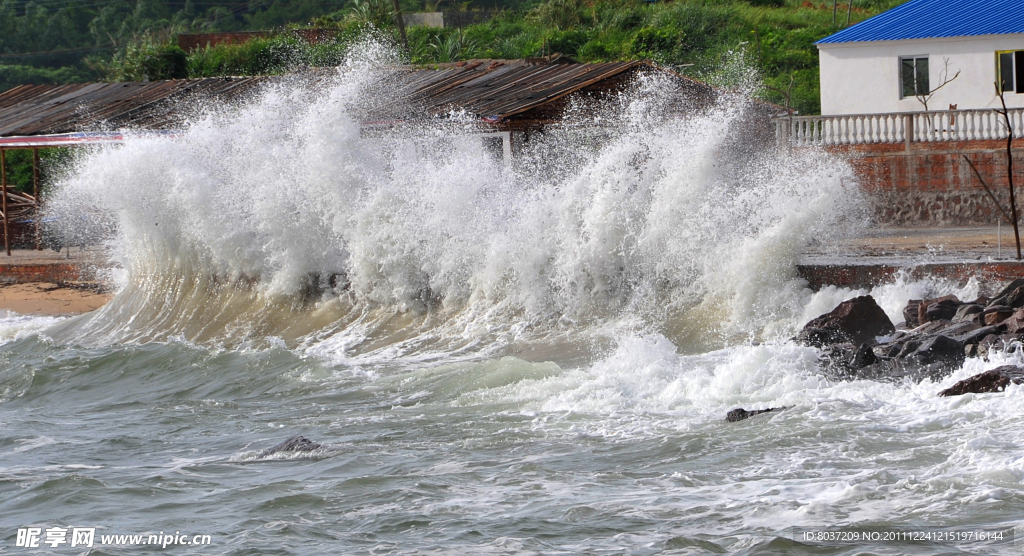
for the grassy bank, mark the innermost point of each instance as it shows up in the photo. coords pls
(775, 38)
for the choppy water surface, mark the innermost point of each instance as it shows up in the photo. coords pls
(525, 360)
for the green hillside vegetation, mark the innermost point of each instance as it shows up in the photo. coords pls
(79, 40)
(774, 37)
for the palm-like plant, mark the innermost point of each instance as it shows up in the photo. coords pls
(452, 48)
(378, 13)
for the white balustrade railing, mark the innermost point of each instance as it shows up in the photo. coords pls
(859, 129)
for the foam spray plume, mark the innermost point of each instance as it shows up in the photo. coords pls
(283, 218)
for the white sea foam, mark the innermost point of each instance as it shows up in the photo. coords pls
(15, 326)
(625, 287)
(668, 221)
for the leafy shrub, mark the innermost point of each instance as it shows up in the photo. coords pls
(627, 19)
(14, 75)
(147, 60)
(560, 14)
(567, 42)
(653, 44)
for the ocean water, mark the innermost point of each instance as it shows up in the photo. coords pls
(525, 359)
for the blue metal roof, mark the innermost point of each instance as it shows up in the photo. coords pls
(925, 19)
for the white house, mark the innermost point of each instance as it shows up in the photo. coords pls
(897, 59)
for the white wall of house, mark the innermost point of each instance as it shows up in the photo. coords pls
(864, 77)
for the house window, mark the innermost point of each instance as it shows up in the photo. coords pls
(1010, 69)
(914, 76)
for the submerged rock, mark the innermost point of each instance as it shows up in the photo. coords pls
(863, 357)
(942, 350)
(855, 321)
(995, 380)
(293, 444)
(740, 414)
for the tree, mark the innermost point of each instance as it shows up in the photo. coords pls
(923, 98)
(1009, 164)
(1012, 215)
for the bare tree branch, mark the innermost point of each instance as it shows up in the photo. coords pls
(989, 191)
(1009, 165)
(944, 77)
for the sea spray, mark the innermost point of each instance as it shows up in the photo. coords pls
(650, 211)
(501, 360)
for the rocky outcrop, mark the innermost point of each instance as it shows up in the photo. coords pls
(858, 344)
(856, 321)
(995, 380)
(293, 444)
(740, 414)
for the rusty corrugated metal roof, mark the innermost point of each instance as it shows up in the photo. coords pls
(502, 88)
(490, 89)
(49, 109)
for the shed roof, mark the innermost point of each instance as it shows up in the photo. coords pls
(50, 109)
(923, 19)
(500, 89)
(493, 90)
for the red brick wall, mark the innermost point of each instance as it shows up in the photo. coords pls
(53, 273)
(869, 275)
(932, 184)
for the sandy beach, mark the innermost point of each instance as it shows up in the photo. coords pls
(43, 298)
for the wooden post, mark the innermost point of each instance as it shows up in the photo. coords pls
(3, 186)
(35, 192)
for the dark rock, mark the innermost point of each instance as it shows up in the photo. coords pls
(293, 444)
(910, 313)
(959, 328)
(922, 309)
(857, 321)
(1001, 297)
(977, 335)
(882, 371)
(1015, 298)
(992, 342)
(740, 414)
(928, 357)
(942, 310)
(995, 314)
(995, 380)
(1015, 322)
(929, 327)
(909, 347)
(836, 358)
(940, 349)
(863, 357)
(965, 312)
(889, 350)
